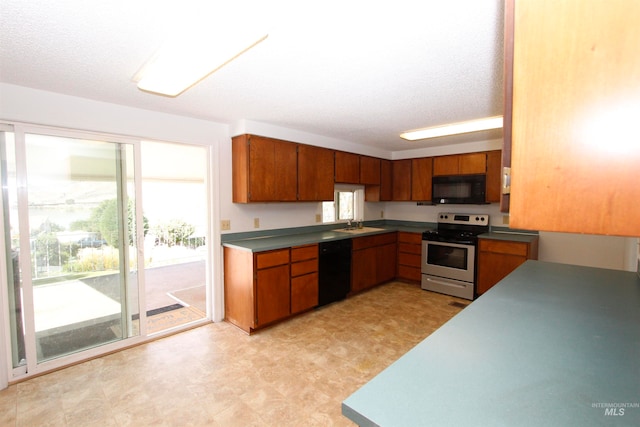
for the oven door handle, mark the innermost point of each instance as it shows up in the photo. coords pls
(440, 282)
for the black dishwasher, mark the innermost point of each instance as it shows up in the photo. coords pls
(335, 271)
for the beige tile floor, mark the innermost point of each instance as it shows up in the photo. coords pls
(296, 373)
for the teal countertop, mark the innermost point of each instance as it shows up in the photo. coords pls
(549, 345)
(267, 242)
(511, 237)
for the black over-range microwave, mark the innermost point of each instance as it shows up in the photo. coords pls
(459, 189)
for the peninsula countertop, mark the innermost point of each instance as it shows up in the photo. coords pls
(551, 344)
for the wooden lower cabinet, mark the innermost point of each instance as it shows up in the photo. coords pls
(304, 278)
(265, 287)
(272, 294)
(256, 287)
(409, 256)
(373, 261)
(498, 258)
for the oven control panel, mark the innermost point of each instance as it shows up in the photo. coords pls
(463, 219)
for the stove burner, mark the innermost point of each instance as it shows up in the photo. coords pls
(458, 228)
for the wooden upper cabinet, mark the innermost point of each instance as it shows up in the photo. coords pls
(347, 168)
(264, 169)
(575, 159)
(386, 180)
(401, 181)
(473, 163)
(494, 176)
(315, 173)
(445, 165)
(369, 170)
(421, 173)
(460, 164)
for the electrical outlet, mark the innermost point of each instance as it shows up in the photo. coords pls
(381, 214)
(318, 218)
(256, 222)
(505, 219)
(225, 224)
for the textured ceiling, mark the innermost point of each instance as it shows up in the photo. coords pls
(359, 71)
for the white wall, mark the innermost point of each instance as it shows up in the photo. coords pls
(410, 211)
(612, 252)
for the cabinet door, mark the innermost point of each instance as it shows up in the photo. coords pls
(574, 167)
(472, 163)
(315, 173)
(272, 294)
(363, 269)
(386, 263)
(347, 168)
(369, 170)
(386, 180)
(401, 170)
(494, 160)
(271, 170)
(304, 292)
(445, 165)
(493, 267)
(421, 174)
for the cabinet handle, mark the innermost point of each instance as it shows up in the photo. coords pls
(506, 180)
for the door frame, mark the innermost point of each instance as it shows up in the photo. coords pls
(215, 298)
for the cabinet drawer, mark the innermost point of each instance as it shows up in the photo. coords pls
(409, 248)
(301, 253)
(412, 260)
(370, 241)
(503, 247)
(304, 267)
(273, 258)
(415, 238)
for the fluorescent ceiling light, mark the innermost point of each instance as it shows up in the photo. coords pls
(454, 128)
(183, 63)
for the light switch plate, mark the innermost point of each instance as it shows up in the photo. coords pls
(225, 224)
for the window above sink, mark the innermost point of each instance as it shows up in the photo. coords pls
(347, 205)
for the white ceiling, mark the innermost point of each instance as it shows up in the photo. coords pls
(358, 71)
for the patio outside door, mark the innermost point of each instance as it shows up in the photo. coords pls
(70, 215)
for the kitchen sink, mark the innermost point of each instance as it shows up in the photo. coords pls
(359, 230)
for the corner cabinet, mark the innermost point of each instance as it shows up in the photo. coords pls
(575, 159)
(373, 260)
(499, 257)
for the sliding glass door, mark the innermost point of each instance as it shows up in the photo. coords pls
(70, 217)
(88, 263)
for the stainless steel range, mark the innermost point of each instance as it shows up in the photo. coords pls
(449, 254)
